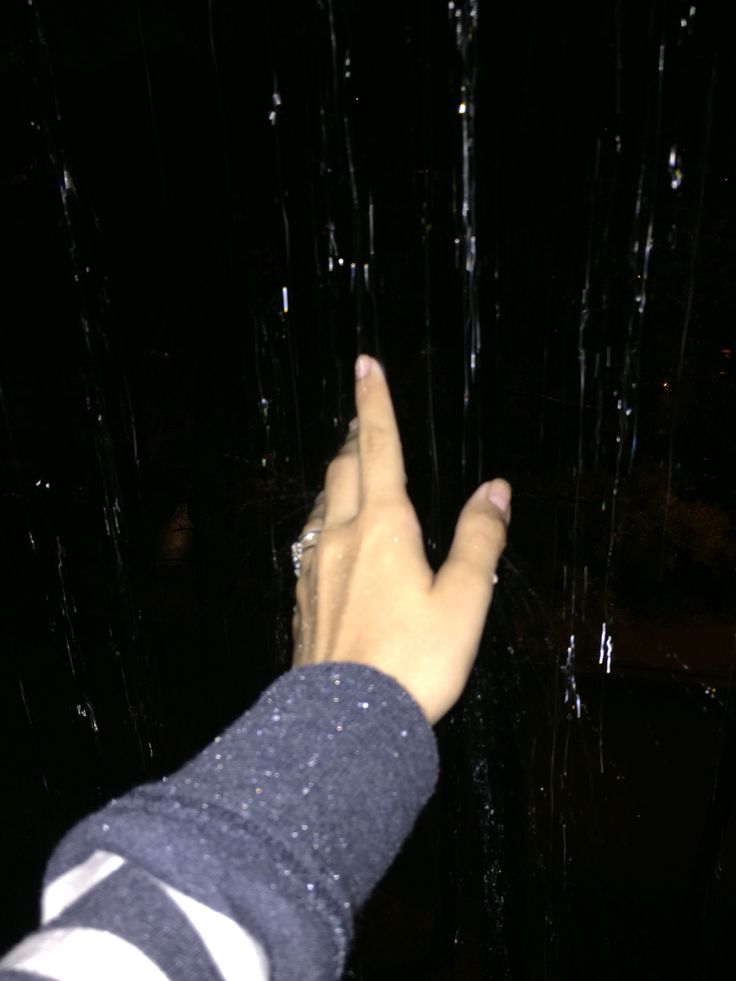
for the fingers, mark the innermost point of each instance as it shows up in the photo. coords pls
(342, 483)
(465, 581)
(370, 465)
(316, 517)
(339, 500)
(382, 475)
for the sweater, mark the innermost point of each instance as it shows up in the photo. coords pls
(250, 861)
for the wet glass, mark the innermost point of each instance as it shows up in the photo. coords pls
(527, 212)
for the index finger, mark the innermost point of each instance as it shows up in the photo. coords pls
(382, 475)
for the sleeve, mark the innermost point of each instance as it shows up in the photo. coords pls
(251, 860)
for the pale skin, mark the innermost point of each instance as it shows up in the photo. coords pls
(366, 593)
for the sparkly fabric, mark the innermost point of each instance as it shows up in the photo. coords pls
(287, 821)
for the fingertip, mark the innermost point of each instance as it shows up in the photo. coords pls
(362, 367)
(498, 492)
(366, 365)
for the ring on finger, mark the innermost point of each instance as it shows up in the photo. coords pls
(307, 539)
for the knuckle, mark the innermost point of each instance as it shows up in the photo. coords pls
(333, 468)
(375, 439)
(493, 543)
(485, 538)
(394, 516)
(336, 468)
(469, 575)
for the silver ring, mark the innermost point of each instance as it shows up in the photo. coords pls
(305, 541)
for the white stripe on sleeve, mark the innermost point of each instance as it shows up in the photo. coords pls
(237, 955)
(82, 954)
(69, 887)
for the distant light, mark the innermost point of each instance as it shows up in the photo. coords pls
(285, 298)
(674, 165)
(462, 108)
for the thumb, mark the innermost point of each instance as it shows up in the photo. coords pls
(465, 580)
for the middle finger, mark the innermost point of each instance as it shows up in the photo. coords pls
(342, 482)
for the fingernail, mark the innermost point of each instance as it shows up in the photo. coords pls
(362, 366)
(353, 425)
(500, 495)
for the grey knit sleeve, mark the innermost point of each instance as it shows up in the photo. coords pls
(284, 824)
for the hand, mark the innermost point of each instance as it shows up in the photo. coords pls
(366, 592)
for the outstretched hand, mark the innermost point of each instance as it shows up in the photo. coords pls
(366, 593)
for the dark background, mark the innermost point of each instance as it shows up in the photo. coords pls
(167, 171)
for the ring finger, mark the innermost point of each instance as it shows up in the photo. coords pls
(315, 522)
(337, 503)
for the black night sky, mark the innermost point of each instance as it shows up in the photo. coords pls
(528, 212)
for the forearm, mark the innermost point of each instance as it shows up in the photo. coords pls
(283, 826)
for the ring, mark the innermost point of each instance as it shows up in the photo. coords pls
(305, 541)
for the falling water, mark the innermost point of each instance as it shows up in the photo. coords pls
(525, 213)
